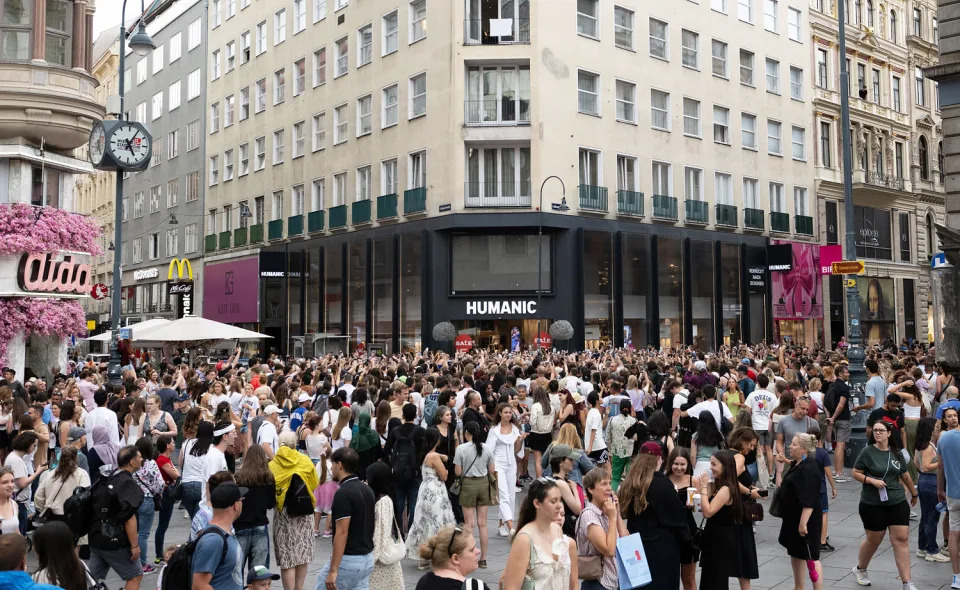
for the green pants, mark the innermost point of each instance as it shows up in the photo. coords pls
(620, 467)
(910, 426)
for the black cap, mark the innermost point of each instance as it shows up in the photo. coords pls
(261, 573)
(226, 494)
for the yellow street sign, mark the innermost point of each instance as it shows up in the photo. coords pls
(848, 267)
(850, 283)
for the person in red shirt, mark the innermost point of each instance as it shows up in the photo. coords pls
(170, 474)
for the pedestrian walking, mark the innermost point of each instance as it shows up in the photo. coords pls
(296, 478)
(799, 498)
(505, 442)
(435, 512)
(113, 535)
(252, 525)
(192, 457)
(948, 490)
(385, 576)
(58, 563)
(541, 556)
(354, 507)
(217, 559)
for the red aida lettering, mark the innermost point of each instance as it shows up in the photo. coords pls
(41, 273)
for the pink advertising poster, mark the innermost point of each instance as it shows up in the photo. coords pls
(829, 255)
(797, 292)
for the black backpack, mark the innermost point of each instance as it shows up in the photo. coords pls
(178, 573)
(78, 511)
(726, 426)
(830, 399)
(403, 459)
(298, 501)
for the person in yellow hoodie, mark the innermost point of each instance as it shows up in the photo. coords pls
(296, 478)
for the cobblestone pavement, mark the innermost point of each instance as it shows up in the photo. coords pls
(775, 573)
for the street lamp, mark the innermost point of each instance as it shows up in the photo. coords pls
(562, 207)
(141, 44)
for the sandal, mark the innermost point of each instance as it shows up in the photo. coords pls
(482, 564)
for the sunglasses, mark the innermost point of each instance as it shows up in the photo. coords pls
(452, 537)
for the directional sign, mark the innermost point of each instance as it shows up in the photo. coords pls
(939, 261)
(848, 267)
(125, 333)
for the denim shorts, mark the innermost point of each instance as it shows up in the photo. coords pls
(354, 572)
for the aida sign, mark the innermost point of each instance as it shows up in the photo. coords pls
(56, 273)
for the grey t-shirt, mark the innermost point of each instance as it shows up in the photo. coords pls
(465, 455)
(876, 387)
(789, 427)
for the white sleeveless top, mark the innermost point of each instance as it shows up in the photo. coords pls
(911, 412)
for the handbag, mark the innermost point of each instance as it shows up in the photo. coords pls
(775, 509)
(752, 511)
(458, 484)
(44, 516)
(696, 541)
(395, 549)
(174, 491)
(157, 498)
(589, 567)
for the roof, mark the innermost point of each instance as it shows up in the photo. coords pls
(104, 43)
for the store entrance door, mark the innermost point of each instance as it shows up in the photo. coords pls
(501, 335)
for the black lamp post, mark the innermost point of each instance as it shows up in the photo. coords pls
(562, 207)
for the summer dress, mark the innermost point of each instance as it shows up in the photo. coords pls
(544, 571)
(433, 513)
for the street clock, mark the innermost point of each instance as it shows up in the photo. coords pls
(120, 145)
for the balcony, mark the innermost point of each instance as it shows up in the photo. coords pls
(696, 212)
(593, 198)
(361, 212)
(665, 207)
(387, 206)
(210, 243)
(338, 217)
(224, 241)
(882, 180)
(497, 194)
(239, 237)
(630, 203)
(779, 222)
(727, 216)
(415, 201)
(494, 112)
(803, 224)
(753, 219)
(256, 234)
(275, 230)
(476, 31)
(294, 226)
(314, 222)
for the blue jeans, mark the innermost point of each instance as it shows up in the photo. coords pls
(929, 516)
(255, 545)
(405, 494)
(144, 523)
(166, 511)
(22, 516)
(191, 497)
(354, 573)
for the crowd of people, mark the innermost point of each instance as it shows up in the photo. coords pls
(403, 457)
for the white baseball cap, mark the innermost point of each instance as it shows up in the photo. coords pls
(304, 397)
(271, 409)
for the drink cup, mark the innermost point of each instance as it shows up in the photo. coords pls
(696, 503)
(691, 492)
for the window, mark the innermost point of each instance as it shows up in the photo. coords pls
(173, 144)
(193, 35)
(364, 124)
(193, 185)
(418, 20)
(259, 153)
(773, 138)
(215, 117)
(719, 59)
(299, 15)
(190, 237)
(748, 130)
(861, 76)
(825, 145)
(278, 147)
(173, 96)
(299, 139)
(364, 189)
(898, 158)
(125, 208)
(746, 67)
(388, 177)
(215, 64)
(793, 24)
(623, 27)
(153, 246)
(157, 56)
(261, 95)
(296, 200)
(389, 102)
(279, 78)
(692, 184)
(261, 37)
(661, 178)
(690, 45)
(279, 27)
(342, 55)
(895, 92)
(588, 93)
(627, 174)
(142, 112)
(216, 14)
(777, 205)
(660, 110)
(156, 106)
(214, 170)
(193, 84)
(319, 10)
(591, 173)
(231, 55)
(719, 5)
(750, 194)
(127, 79)
(935, 30)
(800, 205)
(141, 71)
(796, 83)
(339, 189)
(893, 26)
(244, 159)
(917, 23)
(587, 18)
(277, 205)
(418, 169)
(299, 76)
(155, 199)
(626, 102)
(876, 86)
(773, 76)
(798, 138)
(244, 47)
(721, 125)
(138, 205)
(319, 131)
(228, 108)
(822, 79)
(173, 192)
(319, 67)
(156, 158)
(418, 95)
(770, 16)
(691, 117)
(745, 10)
(365, 43)
(173, 236)
(317, 195)
(390, 28)
(870, 13)
(228, 165)
(921, 97)
(244, 103)
(340, 124)
(193, 135)
(723, 188)
(924, 158)
(658, 39)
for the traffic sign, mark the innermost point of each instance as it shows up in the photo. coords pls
(848, 267)
(99, 291)
(850, 283)
(939, 261)
(125, 333)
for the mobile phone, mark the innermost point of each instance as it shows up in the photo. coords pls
(763, 493)
(883, 494)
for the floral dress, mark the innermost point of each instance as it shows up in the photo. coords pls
(434, 512)
(384, 577)
(150, 479)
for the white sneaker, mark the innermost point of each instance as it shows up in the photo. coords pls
(502, 531)
(913, 515)
(937, 558)
(861, 575)
(921, 553)
(945, 550)
(186, 514)
(909, 586)
(956, 581)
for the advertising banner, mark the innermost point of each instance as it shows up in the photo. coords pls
(877, 312)
(797, 292)
(231, 291)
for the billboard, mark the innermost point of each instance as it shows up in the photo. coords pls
(877, 312)
(797, 291)
(231, 291)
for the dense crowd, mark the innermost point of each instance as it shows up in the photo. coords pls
(675, 453)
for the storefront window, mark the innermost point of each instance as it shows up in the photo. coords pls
(357, 293)
(314, 282)
(499, 263)
(671, 292)
(333, 294)
(597, 288)
(294, 292)
(636, 289)
(411, 285)
(383, 292)
(872, 228)
(702, 291)
(730, 293)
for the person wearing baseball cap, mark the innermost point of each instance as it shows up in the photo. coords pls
(259, 578)
(77, 439)
(209, 570)
(296, 416)
(267, 436)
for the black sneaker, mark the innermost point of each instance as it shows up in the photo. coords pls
(827, 547)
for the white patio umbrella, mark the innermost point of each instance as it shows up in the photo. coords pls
(192, 331)
(134, 329)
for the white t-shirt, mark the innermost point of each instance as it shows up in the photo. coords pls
(348, 389)
(250, 414)
(714, 407)
(594, 424)
(329, 419)
(268, 434)
(461, 397)
(817, 396)
(344, 441)
(679, 400)
(213, 462)
(525, 382)
(102, 417)
(235, 399)
(19, 467)
(192, 465)
(761, 403)
(585, 388)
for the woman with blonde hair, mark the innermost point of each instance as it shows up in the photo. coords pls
(133, 421)
(156, 422)
(341, 434)
(453, 555)
(569, 437)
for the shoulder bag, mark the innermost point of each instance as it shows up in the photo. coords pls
(752, 511)
(41, 518)
(395, 549)
(589, 567)
(775, 509)
(458, 484)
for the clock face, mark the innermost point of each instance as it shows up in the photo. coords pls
(97, 143)
(129, 145)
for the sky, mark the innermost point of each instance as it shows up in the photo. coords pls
(108, 14)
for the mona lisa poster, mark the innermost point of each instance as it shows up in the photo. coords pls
(877, 311)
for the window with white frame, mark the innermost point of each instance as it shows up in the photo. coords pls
(173, 192)
(723, 188)
(794, 30)
(173, 95)
(623, 27)
(895, 93)
(751, 196)
(876, 86)
(190, 237)
(825, 145)
(364, 115)
(278, 147)
(588, 93)
(215, 64)
(296, 200)
(497, 173)
(719, 58)
(590, 171)
(142, 112)
(279, 83)
(231, 55)
(156, 106)
(216, 13)
(259, 153)
(157, 56)
(279, 26)
(748, 130)
(193, 186)
(173, 144)
(800, 204)
(388, 177)
(690, 46)
(261, 95)
(227, 165)
(299, 15)
(277, 205)
(692, 183)
(193, 34)
(626, 101)
(390, 105)
(299, 76)
(138, 205)
(244, 103)
(319, 10)
(418, 170)
(299, 139)
(319, 67)
(365, 45)
(137, 247)
(340, 124)
(773, 75)
(261, 37)
(319, 132)
(418, 95)
(798, 138)
(125, 208)
(691, 117)
(777, 204)
(747, 59)
(214, 170)
(141, 71)
(588, 18)
(745, 10)
(796, 83)
(658, 39)
(342, 48)
(244, 159)
(244, 47)
(721, 125)
(917, 23)
(215, 117)
(364, 178)
(719, 5)
(155, 198)
(390, 28)
(418, 20)
(627, 177)
(661, 178)
(660, 110)
(339, 189)
(921, 95)
(823, 79)
(771, 16)
(317, 194)
(193, 135)
(153, 246)
(228, 106)
(193, 84)
(774, 129)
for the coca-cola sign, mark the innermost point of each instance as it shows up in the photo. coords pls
(50, 272)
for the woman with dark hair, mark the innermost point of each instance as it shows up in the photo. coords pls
(707, 440)
(446, 424)
(252, 525)
(360, 402)
(926, 460)
(655, 429)
(192, 454)
(151, 482)
(384, 576)
(542, 420)
(58, 562)
(170, 474)
(913, 411)
(67, 413)
(57, 486)
(382, 421)
(680, 473)
(367, 445)
(723, 509)
(473, 463)
(434, 511)
(541, 556)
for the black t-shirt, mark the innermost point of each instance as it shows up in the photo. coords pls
(258, 500)
(167, 396)
(355, 500)
(120, 501)
(431, 581)
(892, 418)
(839, 390)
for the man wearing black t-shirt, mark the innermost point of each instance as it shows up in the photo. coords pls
(837, 404)
(891, 413)
(351, 564)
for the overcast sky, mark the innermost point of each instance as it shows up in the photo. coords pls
(108, 14)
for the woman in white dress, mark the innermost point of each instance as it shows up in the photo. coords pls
(541, 558)
(385, 576)
(434, 512)
(505, 443)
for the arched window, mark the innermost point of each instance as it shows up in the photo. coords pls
(924, 161)
(893, 26)
(870, 13)
(931, 237)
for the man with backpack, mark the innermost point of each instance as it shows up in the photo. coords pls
(351, 563)
(402, 451)
(217, 558)
(113, 532)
